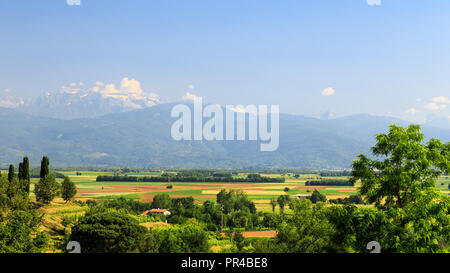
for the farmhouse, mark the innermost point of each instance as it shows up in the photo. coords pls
(300, 196)
(157, 212)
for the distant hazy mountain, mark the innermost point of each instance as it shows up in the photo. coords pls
(76, 101)
(142, 138)
(440, 122)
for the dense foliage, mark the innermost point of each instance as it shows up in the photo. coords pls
(19, 220)
(101, 231)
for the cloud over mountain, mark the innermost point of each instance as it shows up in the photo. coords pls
(77, 101)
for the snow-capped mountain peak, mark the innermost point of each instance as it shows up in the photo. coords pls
(77, 101)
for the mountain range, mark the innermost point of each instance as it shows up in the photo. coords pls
(142, 138)
(77, 101)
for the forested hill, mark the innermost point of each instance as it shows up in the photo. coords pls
(142, 138)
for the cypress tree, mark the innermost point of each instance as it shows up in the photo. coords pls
(26, 173)
(44, 167)
(20, 176)
(11, 173)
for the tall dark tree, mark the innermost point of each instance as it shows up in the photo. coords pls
(45, 162)
(11, 173)
(20, 174)
(26, 173)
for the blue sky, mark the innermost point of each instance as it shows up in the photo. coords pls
(391, 59)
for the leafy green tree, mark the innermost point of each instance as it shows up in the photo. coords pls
(282, 202)
(412, 216)
(161, 201)
(273, 203)
(45, 162)
(176, 239)
(101, 231)
(46, 189)
(233, 200)
(420, 227)
(68, 189)
(19, 233)
(308, 231)
(317, 197)
(239, 241)
(407, 167)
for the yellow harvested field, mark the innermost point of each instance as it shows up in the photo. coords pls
(247, 191)
(154, 224)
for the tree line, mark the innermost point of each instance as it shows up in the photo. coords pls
(251, 178)
(328, 182)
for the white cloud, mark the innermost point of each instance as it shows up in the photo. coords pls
(435, 106)
(128, 94)
(189, 96)
(441, 99)
(128, 88)
(373, 2)
(73, 2)
(328, 92)
(411, 111)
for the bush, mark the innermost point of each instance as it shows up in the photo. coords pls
(317, 197)
(107, 232)
(181, 239)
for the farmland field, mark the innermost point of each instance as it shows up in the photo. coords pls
(259, 193)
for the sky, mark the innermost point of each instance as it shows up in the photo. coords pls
(380, 57)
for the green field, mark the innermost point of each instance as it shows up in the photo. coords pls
(260, 193)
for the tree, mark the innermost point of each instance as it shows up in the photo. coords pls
(176, 239)
(46, 189)
(161, 201)
(11, 174)
(100, 231)
(26, 173)
(308, 231)
(68, 189)
(317, 197)
(20, 174)
(238, 240)
(408, 168)
(45, 162)
(412, 216)
(273, 203)
(19, 233)
(282, 202)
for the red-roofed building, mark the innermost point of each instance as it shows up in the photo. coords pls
(157, 212)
